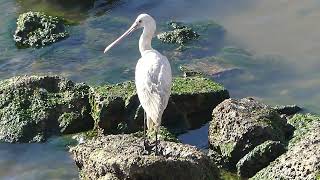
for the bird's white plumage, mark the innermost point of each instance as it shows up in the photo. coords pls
(153, 82)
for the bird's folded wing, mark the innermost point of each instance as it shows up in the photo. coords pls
(156, 91)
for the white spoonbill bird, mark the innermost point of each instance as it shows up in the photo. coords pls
(153, 77)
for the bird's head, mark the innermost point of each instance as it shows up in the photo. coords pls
(142, 21)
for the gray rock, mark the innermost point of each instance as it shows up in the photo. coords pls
(239, 125)
(32, 108)
(121, 157)
(301, 161)
(259, 157)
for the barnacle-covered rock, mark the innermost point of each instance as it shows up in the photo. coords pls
(123, 157)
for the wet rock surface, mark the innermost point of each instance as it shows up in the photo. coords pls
(301, 161)
(190, 105)
(32, 108)
(35, 29)
(122, 157)
(239, 125)
(259, 157)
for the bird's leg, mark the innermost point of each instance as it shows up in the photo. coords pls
(144, 130)
(156, 143)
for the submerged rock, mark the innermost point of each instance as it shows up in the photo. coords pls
(190, 105)
(35, 29)
(301, 161)
(121, 157)
(210, 66)
(32, 108)
(259, 157)
(239, 125)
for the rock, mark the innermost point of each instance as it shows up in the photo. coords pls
(189, 107)
(288, 110)
(239, 125)
(35, 29)
(301, 161)
(180, 34)
(121, 157)
(32, 108)
(259, 157)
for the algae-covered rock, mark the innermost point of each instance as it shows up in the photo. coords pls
(190, 105)
(239, 125)
(113, 105)
(180, 34)
(302, 124)
(32, 108)
(259, 158)
(301, 161)
(35, 29)
(122, 157)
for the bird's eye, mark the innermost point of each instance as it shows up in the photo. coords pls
(140, 21)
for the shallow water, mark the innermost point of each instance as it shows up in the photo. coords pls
(281, 36)
(35, 161)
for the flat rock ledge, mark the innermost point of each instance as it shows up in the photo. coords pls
(121, 157)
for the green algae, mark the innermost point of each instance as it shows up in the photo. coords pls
(318, 176)
(191, 85)
(124, 90)
(227, 175)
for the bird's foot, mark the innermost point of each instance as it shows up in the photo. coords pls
(150, 147)
(147, 148)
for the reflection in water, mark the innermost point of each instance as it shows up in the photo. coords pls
(74, 10)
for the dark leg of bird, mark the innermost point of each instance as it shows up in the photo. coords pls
(144, 130)
(156, 143)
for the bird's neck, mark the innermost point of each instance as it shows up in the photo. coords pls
(145, 40)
